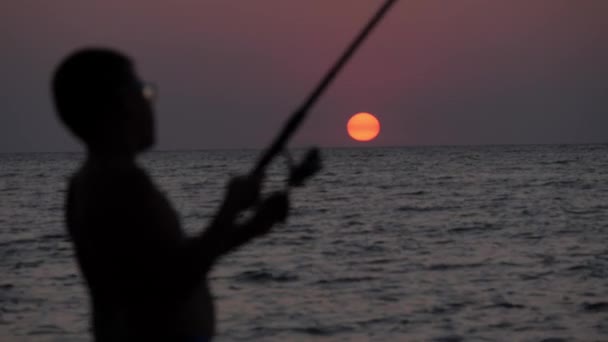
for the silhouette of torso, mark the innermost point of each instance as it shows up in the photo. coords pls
(126, 235)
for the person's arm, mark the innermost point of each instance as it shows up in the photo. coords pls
(271, 211)
(145, 254)
(224, 234)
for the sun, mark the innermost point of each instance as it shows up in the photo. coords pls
(363, 127)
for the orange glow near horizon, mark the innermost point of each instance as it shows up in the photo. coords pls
(363, 127)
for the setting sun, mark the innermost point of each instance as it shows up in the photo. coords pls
(363, 127)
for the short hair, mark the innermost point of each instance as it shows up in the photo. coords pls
(85, 85)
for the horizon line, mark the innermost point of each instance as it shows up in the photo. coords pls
(299, 147)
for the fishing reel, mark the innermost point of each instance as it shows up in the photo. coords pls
(309, 165)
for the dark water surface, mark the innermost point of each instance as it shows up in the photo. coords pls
(502, 243)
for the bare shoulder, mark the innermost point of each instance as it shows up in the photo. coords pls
(107, 186)
(119, 197)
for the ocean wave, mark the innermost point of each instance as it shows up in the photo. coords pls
(265, 276)
(504, 305)
(345, 280)
(596, 307)
(408, 208)
(559, 162)
(475, 228)
(447, 267)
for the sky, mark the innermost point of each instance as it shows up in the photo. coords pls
(230, 73)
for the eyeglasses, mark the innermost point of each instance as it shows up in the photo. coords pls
(149, 91)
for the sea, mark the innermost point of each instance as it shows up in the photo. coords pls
(444, 243)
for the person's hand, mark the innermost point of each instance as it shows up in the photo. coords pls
(266, 214)
(272, 210)
(275, 208)
(242, 193)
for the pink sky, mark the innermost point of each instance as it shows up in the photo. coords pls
(229, 73)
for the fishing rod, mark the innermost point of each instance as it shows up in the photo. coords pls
(311, 162)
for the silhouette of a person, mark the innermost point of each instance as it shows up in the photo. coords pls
(146, 279)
